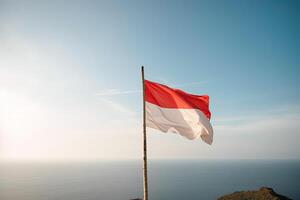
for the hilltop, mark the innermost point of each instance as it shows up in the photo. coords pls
(263, 193)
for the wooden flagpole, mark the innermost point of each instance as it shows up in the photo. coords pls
(145, 175)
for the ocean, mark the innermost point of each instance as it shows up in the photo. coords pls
(168, 179)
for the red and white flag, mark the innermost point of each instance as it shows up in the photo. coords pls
(173, 110)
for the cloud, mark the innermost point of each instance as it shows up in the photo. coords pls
(113, 92)
(190, 84)
(118, 107)
(275, 123)
(282, 111)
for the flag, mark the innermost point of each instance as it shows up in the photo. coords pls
(173, 110)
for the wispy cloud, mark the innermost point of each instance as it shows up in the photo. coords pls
(113, 92)
(290, 110)
(284, 125)
(190, 84)
(118, 107)
(280, 120)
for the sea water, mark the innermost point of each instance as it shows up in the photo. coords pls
(168, 179)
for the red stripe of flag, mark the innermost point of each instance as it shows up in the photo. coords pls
(166, 97)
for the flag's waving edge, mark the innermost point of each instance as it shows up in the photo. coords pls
(172, 110)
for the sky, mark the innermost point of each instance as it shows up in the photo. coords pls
(70, 80)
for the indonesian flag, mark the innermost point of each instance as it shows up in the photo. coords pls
(173, 110)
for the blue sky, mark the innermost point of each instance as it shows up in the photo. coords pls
(70, 76)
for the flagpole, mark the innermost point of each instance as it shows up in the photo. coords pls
(145, 175)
